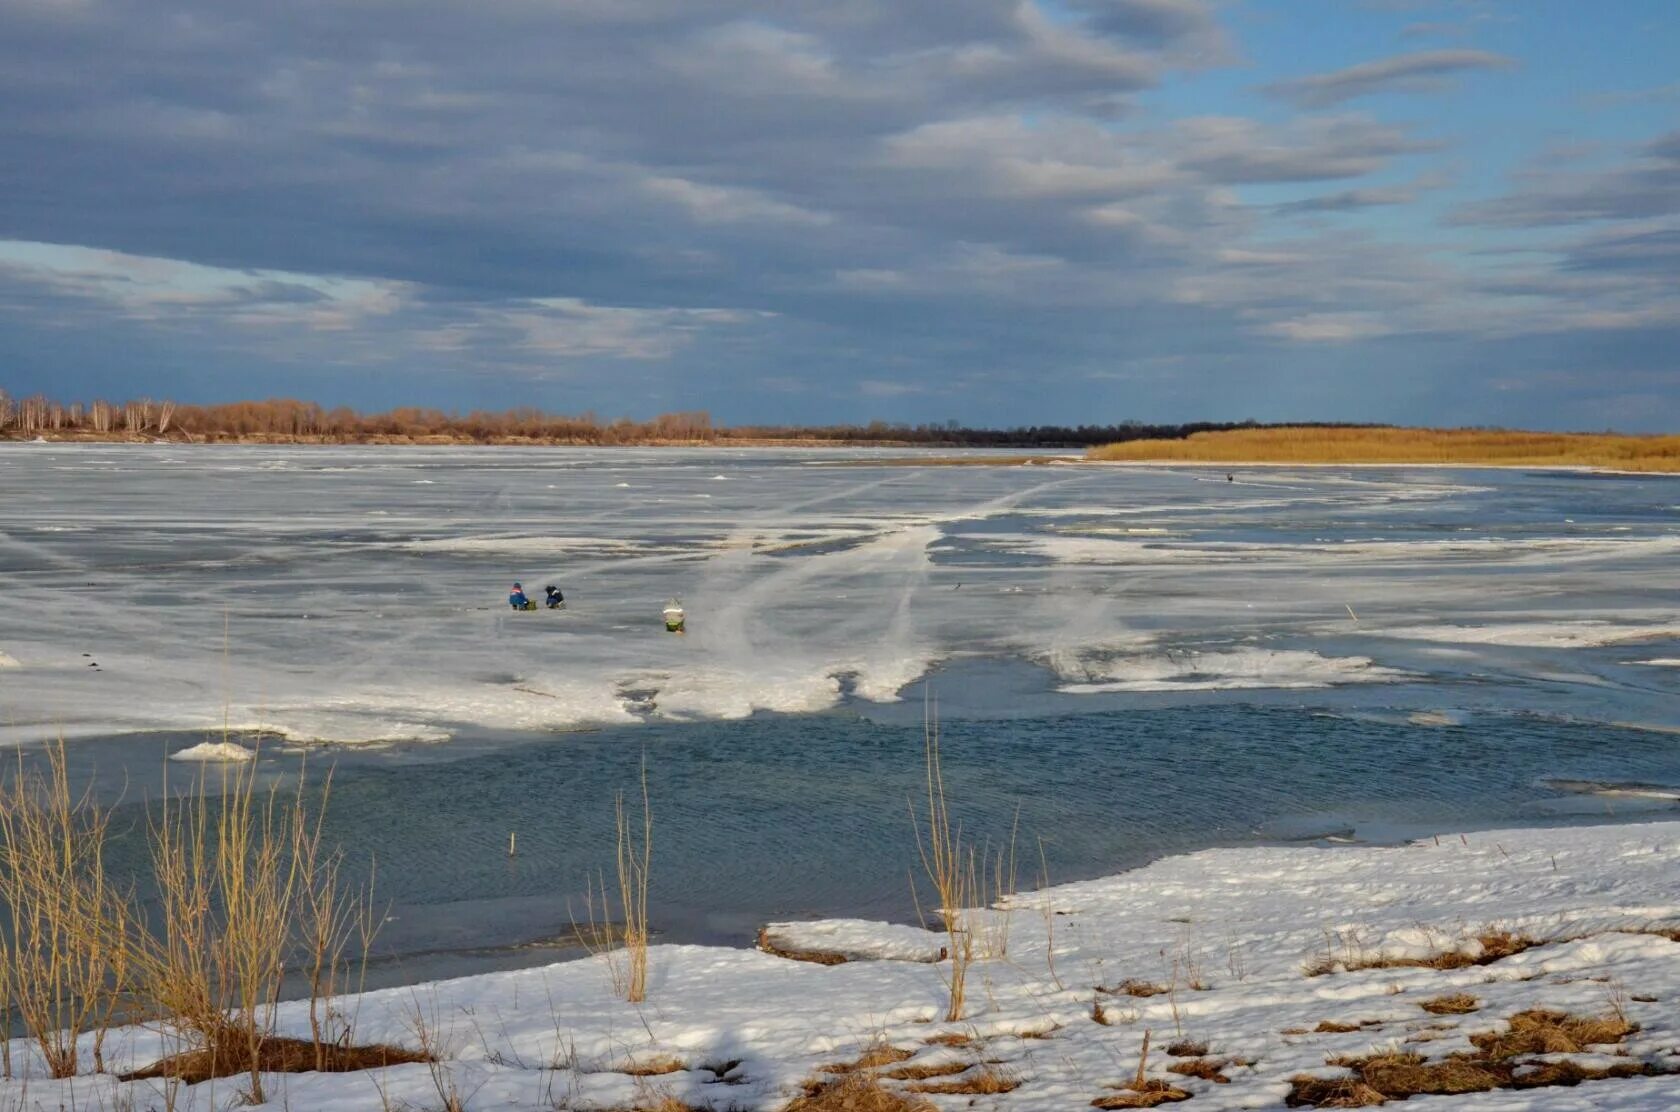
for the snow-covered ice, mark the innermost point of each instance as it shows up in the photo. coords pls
(1274, 960)
(354, 594)
(214, 752)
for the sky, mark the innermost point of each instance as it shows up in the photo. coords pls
(998, 212)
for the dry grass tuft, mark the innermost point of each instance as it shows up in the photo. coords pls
(1208, 1069)
(815, 957)
(1146, 1094)
(1497, 1064)
(985, 1081)
(854, 1092)
(922, 1071)
(277, 1055)
(653, 1067)
(1340, 1092)
(873, 1057)
(1458, 1003)
(1187, 1048)
(1546, 1032)
(1495, 946)
(1132, 987)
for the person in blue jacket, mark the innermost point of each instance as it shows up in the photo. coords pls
(517, 599)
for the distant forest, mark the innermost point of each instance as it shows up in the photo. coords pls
(287, 420)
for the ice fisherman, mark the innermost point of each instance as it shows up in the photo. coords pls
(556, 600)
(517, 599)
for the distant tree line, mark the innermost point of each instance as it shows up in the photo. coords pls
(291, 419)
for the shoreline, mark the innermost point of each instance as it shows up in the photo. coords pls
(996, 456)
(1258, 967)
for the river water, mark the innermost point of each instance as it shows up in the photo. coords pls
(1126, 661)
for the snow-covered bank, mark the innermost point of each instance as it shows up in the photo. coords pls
(1257, 965)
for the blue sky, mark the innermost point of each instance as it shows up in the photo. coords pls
(996, 211)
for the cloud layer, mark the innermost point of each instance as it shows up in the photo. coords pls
(779, 211)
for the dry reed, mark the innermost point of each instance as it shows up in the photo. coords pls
(65, 961)
(625, 950)
(1465, 447)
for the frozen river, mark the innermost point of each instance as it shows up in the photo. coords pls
(1143, 659)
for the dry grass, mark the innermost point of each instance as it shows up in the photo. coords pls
(1208, 1069)
(278, 1055)
(1397, 1075)
(949, 862)
(1468, 447)
(245, 892)
(1130, 987)
(921, 1071)
(653, 1067)
(873, 1057)
(1547, 1032)
(1347, 958)
(624, 943)
(1148, 1094)
(1187, 1048)
(857, 1091)
(66, 951)
(815, 957)
(1458, 1003)
(985, 1081)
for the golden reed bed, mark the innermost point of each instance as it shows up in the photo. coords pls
(1467, 447)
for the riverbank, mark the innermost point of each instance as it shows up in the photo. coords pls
(1399, 446)
(1239, 978)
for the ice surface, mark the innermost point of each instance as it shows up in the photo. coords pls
(355, 594)
(1235, 669)
(214, 751)
(1539, 634)
(1228, 936)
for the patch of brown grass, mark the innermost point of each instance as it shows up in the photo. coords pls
(855, 1092)
(653, 1067)
(921, 1071)
(276, 1055)
(1397, 1075)
(873, 1057)
(815, 957)
(1147, 1095)
(1132, 987)
(1458, 1003)
(665, 1102)
(1187, 1048)
(986, 1081)
(1545, 1032)
(1208, 1069)
(1495, 946)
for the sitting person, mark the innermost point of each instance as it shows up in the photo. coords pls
(517, 599)
(556, 600)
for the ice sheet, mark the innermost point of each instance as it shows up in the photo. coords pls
(356, 594)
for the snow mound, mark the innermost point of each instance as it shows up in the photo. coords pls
(214, 752)
(1536, 635)
(7, 660)
(851, 940)
(1236, 669)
